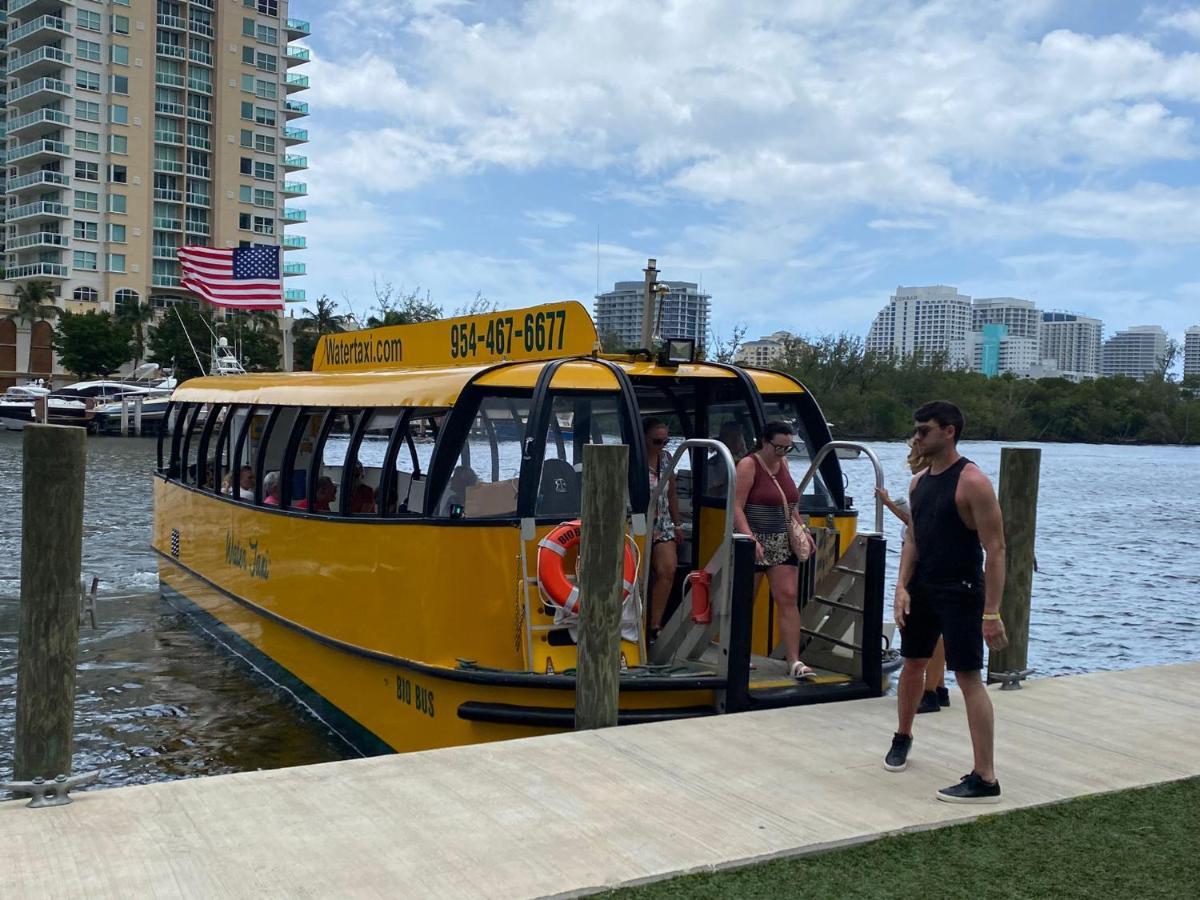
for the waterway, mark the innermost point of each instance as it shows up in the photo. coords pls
(1118, 586)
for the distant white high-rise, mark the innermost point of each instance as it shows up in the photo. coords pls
(1191, 351)
(683, 313)
(1136, 352)
(1022, 317)
(765, 350)
(923, 321)
(1073, 343)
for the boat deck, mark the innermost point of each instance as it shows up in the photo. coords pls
(573, 813)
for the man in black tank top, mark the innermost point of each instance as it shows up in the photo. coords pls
(946, 588)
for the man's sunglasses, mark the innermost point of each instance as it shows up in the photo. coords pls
(923, 430)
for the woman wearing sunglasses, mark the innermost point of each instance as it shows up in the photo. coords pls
(664, 555)
(766, 500)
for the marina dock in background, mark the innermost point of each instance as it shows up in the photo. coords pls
(574, 813)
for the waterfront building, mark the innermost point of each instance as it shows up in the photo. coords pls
(993, 350)
(765, 351)
(137, 127)
(1136, 352)
(1072, 343)
(923, 321)
(1021, 318)
(683, 312)
(1191, 351)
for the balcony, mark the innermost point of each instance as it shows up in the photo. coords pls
(42, 209)
(293, 269)
(172, 166)
(294, 242)
(44, 88)
(169, 137)
(178, 23)
(41, 119)
(198, 86)
(37, 270)
(297, 28)
(169, 50)
(37, 239)
(163, 251)
(195, 171)
(40, 61)
(39, 150)
(198, 143)
(200, 115)
(169, 79)
(294, 135)
(199, 56)
(201, 228)
(297, 56)
(168, 109)
(293, 109)
(296, 83)
(295, 215)
(42, 26)
(38, 180)
(195, 26)
(293, 163)
(163, 223)
(36, 6)
(203, 4)
(198, 199)
(169, 194)
(157, 280)
(294, 295)
(295, 189)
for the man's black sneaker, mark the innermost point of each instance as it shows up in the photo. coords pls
(972, 789)
(929, 703)
(943, 696)
(897, 758)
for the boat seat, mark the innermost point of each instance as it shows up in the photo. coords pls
(558, 492)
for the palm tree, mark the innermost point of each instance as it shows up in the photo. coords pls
(35, 301)
(137, 316)
(324, 319)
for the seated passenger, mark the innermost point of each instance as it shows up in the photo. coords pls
(717, 482)
(271, 489)
(362, 495)
(456, 493)
(227, 484)
(246, 483)
(325, 494)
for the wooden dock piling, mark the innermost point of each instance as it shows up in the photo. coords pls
(602, 546)
(48, 638)
(1019, 471)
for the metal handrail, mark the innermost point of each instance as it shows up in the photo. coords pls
(849, 445)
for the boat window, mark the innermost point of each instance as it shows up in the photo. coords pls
(168, 434)
(369, 451)
(730, 422)
(298, 461)
(220, 448)
(339, 431)
(408, 458)
(270, 464)
(786, 409)
(484, 481)
(575, 421)
(190, 451)
(206, 474)
(250, 432)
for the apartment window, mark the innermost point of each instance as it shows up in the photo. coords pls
(248, 55)
(246, 165)
(116, 262)
(87, 140)
(246, 193)
(119, 24)
(85, 259)
(264, 171)
(248, 27)
(248, 84)
(263, 225)
(118, 54)
(265, 34)
(87, 81)
(120, 2)
(266, 62)
(266, 7)
(265, 90)
(118, 175)
(87, 200)
(86, 231)
(89, 50)
(87, 20)
(264, 198)
(247, 138)
(86, 171)
(118, 203)
(118, 84)
(264, 116)
(244, 221)
(247, 110)
(264, 143)
(118, 143)
(118, 115)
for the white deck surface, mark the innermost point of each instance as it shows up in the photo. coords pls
(573, 813)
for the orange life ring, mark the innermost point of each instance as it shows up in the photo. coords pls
(553, 582)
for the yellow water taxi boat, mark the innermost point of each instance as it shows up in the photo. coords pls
(367, 534)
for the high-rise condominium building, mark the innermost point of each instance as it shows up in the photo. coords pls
(1136, 352)
(1073, 342)
(765, 351)
(683, 313)
(1191, 351)
(1021, 317)
(924, 321)
(138, 126)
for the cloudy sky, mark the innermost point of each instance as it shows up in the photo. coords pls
(800, 159)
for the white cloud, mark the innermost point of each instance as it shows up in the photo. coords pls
(549, 218)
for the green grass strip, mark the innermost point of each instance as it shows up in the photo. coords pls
(1138, 843)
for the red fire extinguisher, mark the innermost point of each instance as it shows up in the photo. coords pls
(701, 607)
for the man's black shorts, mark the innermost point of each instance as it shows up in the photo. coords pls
(954, 612)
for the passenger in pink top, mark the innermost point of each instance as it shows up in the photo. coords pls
(271, 489)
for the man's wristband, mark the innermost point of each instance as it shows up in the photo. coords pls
(991, 617)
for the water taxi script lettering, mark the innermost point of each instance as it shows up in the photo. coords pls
(363, 351)
(251, 560)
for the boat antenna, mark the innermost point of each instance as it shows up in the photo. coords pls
(182, 325)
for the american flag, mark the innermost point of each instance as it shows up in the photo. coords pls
(246, 278)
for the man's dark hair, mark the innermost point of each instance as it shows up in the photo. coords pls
(774, 429)
(944, 413)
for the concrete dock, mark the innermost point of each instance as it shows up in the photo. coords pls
(574, 813)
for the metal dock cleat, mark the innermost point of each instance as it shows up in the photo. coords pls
(49, 793)
(1010, 681)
